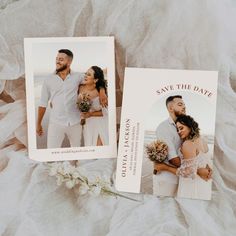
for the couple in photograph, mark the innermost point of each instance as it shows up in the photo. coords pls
(186, 173)
(60, 92)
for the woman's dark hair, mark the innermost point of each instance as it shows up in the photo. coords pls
(191, 123)
(99, 75)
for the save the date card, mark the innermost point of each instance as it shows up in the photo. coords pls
(167, 132)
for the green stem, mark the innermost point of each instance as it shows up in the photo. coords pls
(120, 195)
(82, 180)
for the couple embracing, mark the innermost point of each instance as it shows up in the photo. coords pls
(186, 173)
(59, 93)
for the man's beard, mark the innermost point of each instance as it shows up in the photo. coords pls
(61, 68)
(178, 113)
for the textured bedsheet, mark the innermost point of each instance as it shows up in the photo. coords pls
(185, 34)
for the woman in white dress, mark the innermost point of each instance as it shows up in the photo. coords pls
(194, 154)
(95, 130)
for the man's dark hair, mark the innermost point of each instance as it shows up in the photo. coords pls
(171, 98)
(67, 52)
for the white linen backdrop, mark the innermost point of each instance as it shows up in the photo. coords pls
(185, 34)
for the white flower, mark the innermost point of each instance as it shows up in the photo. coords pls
(93, 178)
(70, 183)
(53, 170)
(106, 178)
(60, 169)
(60, 180)
(95, 191)
(82, 171)
(68, 168)
(76, 174)
(83, 189)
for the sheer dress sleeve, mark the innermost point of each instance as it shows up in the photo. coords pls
(188, 168)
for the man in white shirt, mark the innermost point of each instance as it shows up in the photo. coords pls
(166, 183)
(59, 92)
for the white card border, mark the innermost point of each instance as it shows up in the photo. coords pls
(126, 182)
(75, 153)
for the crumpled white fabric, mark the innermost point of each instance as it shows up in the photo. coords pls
(158, 34)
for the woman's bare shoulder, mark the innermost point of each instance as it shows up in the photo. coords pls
(188, 143)
(188, 149)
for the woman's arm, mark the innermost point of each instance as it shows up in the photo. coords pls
(188, 166)
(186, 170)
(103, 97)
(92, 114)
(164, 167)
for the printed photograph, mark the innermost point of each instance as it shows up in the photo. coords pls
(167, 133)
(178, 147)
(70, 94)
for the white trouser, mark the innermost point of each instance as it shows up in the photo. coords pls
(165, 184)
(56, 135)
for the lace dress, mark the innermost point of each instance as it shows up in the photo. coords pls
(191, 185)
(96, 126)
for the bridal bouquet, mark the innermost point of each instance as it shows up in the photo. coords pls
(157, 151)
(84, 104)
(75, 177)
